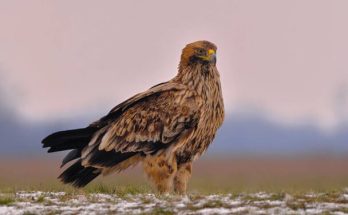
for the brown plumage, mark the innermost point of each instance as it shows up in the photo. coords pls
(166, 127)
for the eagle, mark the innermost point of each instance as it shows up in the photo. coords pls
(165, 128)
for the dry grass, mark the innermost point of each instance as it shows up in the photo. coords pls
(6, 200)
(223, 175)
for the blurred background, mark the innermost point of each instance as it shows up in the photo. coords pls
(283, 65)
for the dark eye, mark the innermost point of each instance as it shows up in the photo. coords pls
(201, 51)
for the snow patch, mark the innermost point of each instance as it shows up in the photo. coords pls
(256, 203)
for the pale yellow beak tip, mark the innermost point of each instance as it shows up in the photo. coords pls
(211, 51)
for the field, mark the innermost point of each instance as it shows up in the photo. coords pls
(145, 203)
(248, 185)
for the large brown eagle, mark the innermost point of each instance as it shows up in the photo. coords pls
(166, 127)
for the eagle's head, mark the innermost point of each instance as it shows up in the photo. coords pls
(203, 52)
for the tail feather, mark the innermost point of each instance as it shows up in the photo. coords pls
(70, 139)
(78, 175)
(76, 144)
(77, 139)
(72, 155)
(97, 161)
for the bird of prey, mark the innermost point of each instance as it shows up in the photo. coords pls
(165, 128)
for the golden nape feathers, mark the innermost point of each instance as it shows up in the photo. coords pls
(166, 128)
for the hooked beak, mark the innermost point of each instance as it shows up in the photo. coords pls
(212, 56)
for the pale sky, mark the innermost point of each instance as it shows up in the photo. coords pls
(61, 58)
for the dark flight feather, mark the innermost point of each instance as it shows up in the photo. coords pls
(78, 175)
(108, 159)
(72, 155)
(70, 139)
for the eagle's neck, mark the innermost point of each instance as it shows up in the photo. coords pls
(202, 78)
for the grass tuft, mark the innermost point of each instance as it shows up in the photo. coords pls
(296, 205)
(161, 211)
(40, 199)
(6, 200)
(213, 204)
(29, 213)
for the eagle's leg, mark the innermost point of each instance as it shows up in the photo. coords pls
(181, 178)
(161, 172)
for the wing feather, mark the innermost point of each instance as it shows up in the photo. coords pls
(145, 123)
(149, 124)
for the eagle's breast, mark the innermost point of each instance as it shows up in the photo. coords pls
(206, 83)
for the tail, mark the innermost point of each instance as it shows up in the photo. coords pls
(74, 140)
(78, 175)
(71, 139)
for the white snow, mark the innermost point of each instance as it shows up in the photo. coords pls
(214, 211)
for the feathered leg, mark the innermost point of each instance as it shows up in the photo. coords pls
(181, 177)
(160, 171)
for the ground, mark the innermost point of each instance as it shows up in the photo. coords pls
(307, 185)
(37, 202)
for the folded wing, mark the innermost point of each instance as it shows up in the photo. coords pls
(148, 126)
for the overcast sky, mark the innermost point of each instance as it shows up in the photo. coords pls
(287, 58)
